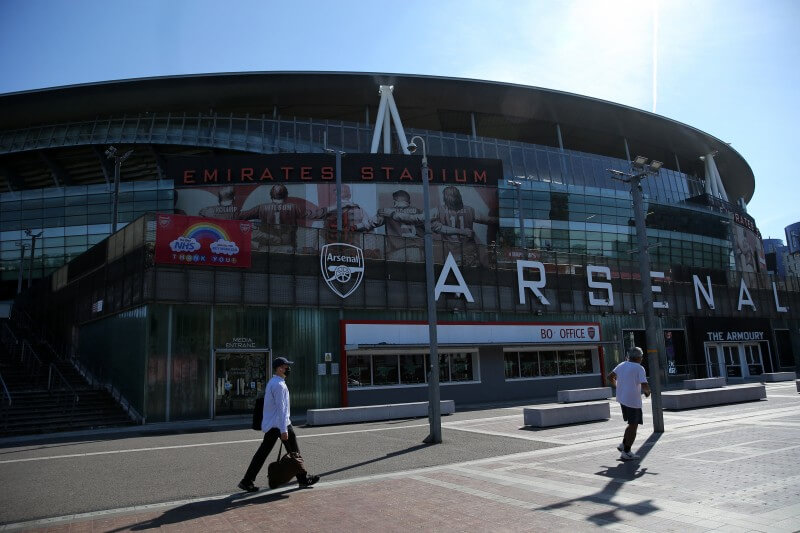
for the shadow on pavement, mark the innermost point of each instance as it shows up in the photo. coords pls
(618, 476)
(194, 510)
(377, 459)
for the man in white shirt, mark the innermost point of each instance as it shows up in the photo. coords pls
(630, 380)
(274, 424)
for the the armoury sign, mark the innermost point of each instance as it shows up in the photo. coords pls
(342, 267)
(186, 240)
(187, 171)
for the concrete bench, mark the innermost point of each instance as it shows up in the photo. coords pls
(558, 414)
(584, 395)
(690, 399)
(705, 383)
(772, 377)
(371, 413)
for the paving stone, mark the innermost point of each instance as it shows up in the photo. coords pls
(727, 468)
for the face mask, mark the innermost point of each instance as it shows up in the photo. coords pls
(287, 371)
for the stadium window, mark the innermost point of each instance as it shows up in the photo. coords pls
(408, 368)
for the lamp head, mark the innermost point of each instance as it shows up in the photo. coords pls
(111, 151)
(639, 162)
(412, 147)
(655, 166)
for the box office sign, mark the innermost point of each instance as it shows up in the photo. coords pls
(189, 240)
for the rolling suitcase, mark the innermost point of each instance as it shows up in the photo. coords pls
(285, 468)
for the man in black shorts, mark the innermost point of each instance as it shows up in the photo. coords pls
(630, 380)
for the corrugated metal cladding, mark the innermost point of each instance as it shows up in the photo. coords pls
(305, 336)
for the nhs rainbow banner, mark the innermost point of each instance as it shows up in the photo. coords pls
(201, 241)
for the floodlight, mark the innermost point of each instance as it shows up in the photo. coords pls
(655, 166)
(640, 161)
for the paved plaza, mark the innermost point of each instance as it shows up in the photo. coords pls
(728, 468)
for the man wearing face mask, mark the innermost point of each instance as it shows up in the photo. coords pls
(275, 424)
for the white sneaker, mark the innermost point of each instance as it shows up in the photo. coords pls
(628, 456)
(621, 447)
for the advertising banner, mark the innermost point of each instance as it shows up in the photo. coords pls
(748, 250)
(381, 195)
(192, 240)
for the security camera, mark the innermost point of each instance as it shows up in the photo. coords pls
(412, 147)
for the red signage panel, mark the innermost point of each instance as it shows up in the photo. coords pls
(188, 240)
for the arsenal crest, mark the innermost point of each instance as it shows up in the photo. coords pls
(342, 267)
(591, 332)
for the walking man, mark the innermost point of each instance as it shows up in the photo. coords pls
(275, 424)
(630, 380)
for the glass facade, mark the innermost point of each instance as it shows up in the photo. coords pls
(600, 222)
(71, 219)
(568, 199)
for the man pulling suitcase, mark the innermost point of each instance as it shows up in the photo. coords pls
(276, 423)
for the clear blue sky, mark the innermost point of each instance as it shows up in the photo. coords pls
(728, 67)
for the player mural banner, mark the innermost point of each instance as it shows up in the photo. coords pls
(748, 247)
(381, 195)
(191, 240)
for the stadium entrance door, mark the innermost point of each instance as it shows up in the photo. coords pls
(241, 377)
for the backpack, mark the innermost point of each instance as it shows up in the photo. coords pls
(258, 413)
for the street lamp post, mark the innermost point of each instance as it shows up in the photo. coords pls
(338, 154)
(33, 237)
(518, 185)
(112, 153)
(22, 247)
(434, 409)
(642, 170)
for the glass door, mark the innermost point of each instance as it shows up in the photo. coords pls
(240, 378)
(714, 363)
(733, 362)
(753, 360)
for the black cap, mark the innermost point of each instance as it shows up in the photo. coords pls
(278, 361)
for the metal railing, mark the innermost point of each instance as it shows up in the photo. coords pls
(109, 386)
(7, 335)
(31, 361)
(260, 134)
(57, 382)
(5, 405)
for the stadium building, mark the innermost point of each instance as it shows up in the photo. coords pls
(267, 214)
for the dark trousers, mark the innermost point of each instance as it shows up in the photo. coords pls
(266, 446)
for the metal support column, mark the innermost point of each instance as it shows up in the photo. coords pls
(434, 407)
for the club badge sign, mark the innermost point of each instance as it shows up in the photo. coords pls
(342, 267)
(188, 240)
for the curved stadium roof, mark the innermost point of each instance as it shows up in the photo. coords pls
(502, 110)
